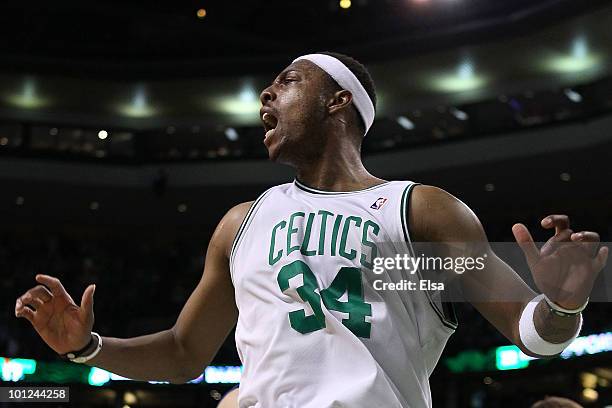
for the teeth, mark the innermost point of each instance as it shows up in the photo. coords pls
(269, 120)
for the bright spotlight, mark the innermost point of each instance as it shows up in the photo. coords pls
(28, 97)
(573, 95)
(345, 4)
(103, 134)
(590, 395)
(231, 134)
(464, 79)
(459, 114)
(580, 47)
(139, 106)
(129, 398)
(405, 122)
(243, 107)
(580, 58)
(201, 13)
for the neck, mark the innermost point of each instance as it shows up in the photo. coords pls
(337, 168)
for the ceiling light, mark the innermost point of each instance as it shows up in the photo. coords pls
(573, 95)
(139, 106)
(464, 79)
(459, 114)
(231, 134)
(244, 107)
(345, 4)
(28, 97)
(129, 398)
(590, 395)
(103, 134)
(201, 13)
(406, 123)
(579, 59)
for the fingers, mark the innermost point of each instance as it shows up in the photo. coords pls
(18, 307)
(41, 292)
(54, 284)
(25, 312)
(25, 307)
(599, 262)
(588, 240)
(525, 242)
(33, 300)
(558, 221)
(87, 302)
(35, 303)
(29, 300)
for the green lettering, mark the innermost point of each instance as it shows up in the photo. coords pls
(352, 254)
(291, 231)
(304, 249)
(364, 241)
(323, 215)
(335, 234)
(271, 258)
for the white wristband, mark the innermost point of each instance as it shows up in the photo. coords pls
(530, 337)
(564, 311)
(83, 359)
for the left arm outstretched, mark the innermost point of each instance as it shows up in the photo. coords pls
(497, 291)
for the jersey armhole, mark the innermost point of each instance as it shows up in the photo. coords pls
(243, 228)
(446, 313)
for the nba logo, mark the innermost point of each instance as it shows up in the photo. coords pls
(378, 203)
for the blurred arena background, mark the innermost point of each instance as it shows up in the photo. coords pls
(127, 129)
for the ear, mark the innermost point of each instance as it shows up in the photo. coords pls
(340, 100)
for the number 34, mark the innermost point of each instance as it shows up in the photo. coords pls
(348, 280)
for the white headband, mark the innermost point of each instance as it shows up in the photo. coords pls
(347, 80)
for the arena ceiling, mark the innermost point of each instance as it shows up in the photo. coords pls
(148, 64)
(243, 31)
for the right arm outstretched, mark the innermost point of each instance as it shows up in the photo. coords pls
(178, 354)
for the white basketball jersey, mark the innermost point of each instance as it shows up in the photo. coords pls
(312, 331)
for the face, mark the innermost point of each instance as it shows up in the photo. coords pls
(293, 112)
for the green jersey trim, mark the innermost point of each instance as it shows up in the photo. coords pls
(311, 190)
(451, 324)
(245, 224)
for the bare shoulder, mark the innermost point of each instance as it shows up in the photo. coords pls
(437, 215)
(229, 225)
(236, 214)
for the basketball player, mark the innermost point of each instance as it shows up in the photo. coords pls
(293, 271)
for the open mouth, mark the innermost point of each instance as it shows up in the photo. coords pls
(269, 122)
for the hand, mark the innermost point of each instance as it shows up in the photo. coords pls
(566, 267)
(62, 324)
